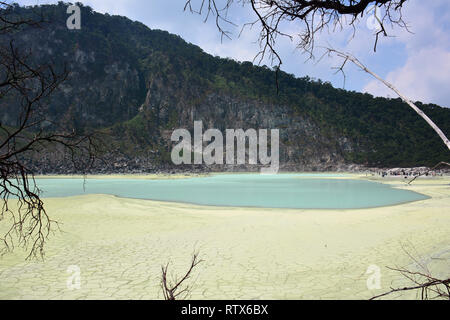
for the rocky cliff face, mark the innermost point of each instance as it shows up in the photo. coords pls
(99, 91)
(302, 145)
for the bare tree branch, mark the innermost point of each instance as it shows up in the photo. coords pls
(349, 57)
(176, 288)
(27, 86)
(440, 164)
(314, 16)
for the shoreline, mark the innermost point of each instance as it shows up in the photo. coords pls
(343, 176)
(250, 253)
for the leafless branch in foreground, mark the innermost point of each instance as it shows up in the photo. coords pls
(429, 287)
(347, 57)
(423, 282)
(274, 20)
(308, 17)
(27, 86)
(176, 289)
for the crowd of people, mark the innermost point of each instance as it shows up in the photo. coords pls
(411, 172)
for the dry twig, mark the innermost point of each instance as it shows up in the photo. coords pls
(176, 289)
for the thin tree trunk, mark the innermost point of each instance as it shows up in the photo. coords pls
(358, 63)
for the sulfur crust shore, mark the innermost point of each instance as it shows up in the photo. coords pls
(249, 253)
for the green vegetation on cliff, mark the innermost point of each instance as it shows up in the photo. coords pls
(131, 79)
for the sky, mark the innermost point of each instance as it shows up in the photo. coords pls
(417, 61)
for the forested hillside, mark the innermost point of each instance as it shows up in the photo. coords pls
(138, 84)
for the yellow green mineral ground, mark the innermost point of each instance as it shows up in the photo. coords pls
(120, 244)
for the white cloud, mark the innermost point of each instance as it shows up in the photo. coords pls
(425, 77)
(425, 73)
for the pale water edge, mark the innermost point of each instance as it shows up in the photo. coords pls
(248, 253)
(295, 191)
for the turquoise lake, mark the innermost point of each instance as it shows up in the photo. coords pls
(303, 191)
